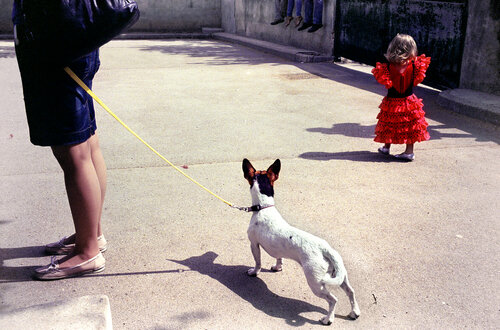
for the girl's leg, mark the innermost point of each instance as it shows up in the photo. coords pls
(409, 149)
(84, 196)
(387, 145)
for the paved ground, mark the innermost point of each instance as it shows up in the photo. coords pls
(420, 240)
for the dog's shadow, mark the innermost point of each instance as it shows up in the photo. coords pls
(253, 290)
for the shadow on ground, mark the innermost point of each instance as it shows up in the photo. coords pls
(253, 290)
(222, 53)
(7, 51)
(20, 273)
(212, 52)
(360, 131)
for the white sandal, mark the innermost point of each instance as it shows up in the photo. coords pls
(384, 150)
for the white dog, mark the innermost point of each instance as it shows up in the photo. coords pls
(322, 265)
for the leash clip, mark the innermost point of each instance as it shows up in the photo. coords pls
(253, 208)
(242, 208)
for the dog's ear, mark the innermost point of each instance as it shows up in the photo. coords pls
(248, 170)
(274, 170)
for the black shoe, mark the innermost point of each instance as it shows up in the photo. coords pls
(315, 27)
(277, 21)
(305, 26)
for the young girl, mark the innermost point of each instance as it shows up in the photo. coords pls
(401, 118)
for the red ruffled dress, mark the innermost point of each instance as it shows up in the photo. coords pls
(401, 119)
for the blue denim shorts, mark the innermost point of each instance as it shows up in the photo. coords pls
(59, 111)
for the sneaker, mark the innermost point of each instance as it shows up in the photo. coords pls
(315, 27)
(405, 157)
(304, 26)
(53, 272)
(59, 247)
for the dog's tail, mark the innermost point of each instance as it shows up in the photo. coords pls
(337, 277)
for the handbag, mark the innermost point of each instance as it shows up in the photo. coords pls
(61, 31)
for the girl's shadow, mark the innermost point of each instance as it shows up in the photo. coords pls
(253, 290)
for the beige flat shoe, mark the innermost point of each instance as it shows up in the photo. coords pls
(58, 248)
(53, 272)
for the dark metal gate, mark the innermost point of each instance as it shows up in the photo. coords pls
(364, 28)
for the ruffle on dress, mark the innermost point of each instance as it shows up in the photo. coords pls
(401, 121)
(382, 75)
(421, 65)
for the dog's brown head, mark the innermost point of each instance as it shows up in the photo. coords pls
(265, 179)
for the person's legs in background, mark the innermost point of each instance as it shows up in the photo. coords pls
(298, 11)
(308, 15)
(280, 9)
(317, 16)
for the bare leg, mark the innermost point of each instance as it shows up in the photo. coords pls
(387, 145)
(84, 196)
(409, 149)
(100, 168)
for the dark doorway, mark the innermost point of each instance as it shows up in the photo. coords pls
(364, 28)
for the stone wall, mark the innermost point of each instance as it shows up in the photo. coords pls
(156, 15)
(6, 16)
(481, 58)
(480, 63)
(178, 15)
(252, 18)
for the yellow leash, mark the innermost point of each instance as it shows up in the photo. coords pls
(82, 84)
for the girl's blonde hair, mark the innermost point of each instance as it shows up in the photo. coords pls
(401, 49)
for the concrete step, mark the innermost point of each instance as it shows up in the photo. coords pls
(87, 312)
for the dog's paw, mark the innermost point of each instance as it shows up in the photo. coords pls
(276, 268)
(252, 272)
(325, 321)
(354, 315)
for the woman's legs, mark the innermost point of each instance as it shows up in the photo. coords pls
(85, 180)
(100, 167)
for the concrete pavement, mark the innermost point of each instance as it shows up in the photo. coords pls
(420, 240)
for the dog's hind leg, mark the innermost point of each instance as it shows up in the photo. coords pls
(352, 298)
(279, 265)
(256, 255)
(321, 291)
